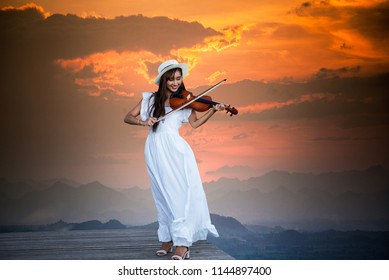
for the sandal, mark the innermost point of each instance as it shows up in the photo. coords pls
(186, 255)
(166, 247)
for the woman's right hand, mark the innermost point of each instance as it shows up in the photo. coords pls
(150, 121)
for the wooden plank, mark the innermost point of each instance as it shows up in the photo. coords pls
(133, 243)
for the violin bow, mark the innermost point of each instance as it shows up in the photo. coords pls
(193, 100)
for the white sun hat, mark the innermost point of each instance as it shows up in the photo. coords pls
(168, 65)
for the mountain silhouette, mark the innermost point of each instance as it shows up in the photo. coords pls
(346, 200)
(92, 201)
(95, 224)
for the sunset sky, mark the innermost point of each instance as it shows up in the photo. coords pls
(309, 78)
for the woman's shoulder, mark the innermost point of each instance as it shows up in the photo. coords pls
(147, 99)
(147, 95)
(146, 103)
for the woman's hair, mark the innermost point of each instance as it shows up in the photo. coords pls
(158, 108)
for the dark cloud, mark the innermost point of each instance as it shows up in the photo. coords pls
(337, 94)
(345, 46)
(372, 22)
(69, 36)
(317, 9)
(306, 4)
(325, 73)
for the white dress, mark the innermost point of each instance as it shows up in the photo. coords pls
(182, 208)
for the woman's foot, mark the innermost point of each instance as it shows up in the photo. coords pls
(181, 253)
(166, 247)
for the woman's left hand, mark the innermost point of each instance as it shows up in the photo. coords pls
(219, 107)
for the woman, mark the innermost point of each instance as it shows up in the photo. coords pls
(183, 214)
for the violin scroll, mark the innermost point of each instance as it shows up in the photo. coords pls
(231, 110)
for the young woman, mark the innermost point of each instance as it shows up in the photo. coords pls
(183, 214)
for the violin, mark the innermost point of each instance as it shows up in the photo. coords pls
(202, 104)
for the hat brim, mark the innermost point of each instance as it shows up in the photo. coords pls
(183, 67)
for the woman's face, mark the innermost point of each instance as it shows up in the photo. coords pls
(174, 81)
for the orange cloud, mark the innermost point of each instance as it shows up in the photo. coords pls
(227, 38)
(115, 72)
(30, 6)
(215, 76)
(110, 72)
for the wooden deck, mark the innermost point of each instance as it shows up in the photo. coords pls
(133, 243)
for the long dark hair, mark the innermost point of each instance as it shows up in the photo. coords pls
(160, 96)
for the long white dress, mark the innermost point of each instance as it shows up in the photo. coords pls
(182, 208)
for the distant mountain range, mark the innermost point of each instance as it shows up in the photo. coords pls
(64, 226)
(339, 200)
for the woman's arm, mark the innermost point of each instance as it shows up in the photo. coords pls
(132, 117)
(197, 122)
